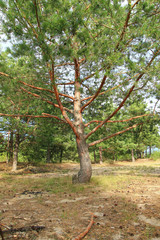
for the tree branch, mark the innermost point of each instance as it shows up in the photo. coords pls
(126, 97)
(38, 22)
(96, 94)
(26, 115)
(126, 23)
(82, 235)
(28, 22)
(47, 90)
(117, 121)
(60, 104)
(5, 74)
(120, 106)
(91, 75)
(135, 3)
(45, 100)
(113, 135)
(108, 89)
(53, 116)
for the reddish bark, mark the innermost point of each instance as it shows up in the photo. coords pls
(97, 93)
(85, 172)
(82, 235)
(113, 135)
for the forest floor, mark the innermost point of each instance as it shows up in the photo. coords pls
(41, 203)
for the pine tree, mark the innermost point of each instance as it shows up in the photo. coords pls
(82, 50)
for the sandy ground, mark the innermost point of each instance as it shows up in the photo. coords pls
(127, 208)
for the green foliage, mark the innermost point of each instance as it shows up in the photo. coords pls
(3, 157)
(155, 155)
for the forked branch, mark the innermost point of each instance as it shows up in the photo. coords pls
(96, 94)
(108, 90)
(60, 103)
(126, 97)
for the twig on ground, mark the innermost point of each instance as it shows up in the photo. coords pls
(5, 226)
(82, 235)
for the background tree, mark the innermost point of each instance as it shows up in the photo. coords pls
(80, 50)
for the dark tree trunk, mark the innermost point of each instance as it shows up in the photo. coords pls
(133, 158)
(15, 154)
(150, 150)
(61, 154)
(100, 155)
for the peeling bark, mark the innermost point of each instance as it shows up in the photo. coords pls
(85, 172)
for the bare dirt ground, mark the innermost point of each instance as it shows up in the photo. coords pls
(41, 203)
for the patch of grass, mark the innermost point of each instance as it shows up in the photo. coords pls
(53, 185)
(6, 178)
(112, 182)
(149, 232)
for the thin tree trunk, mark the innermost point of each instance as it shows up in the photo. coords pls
(100, 155)
(15, 154)
(10, 147)
(146, 153)
(150, 150)
(61, 154)
(133, 158)
(7, 160)
(94, 156)
(142, 154)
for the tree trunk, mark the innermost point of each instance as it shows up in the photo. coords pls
(15, 154)
(100, 155)
(61, 153)
(85, 172)
(150, 150)
(133, 158)
(10, 147)
(94, 155)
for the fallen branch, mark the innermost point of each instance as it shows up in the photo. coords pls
(24, 229)
(82, 235)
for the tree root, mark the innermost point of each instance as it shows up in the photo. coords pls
(82, 235)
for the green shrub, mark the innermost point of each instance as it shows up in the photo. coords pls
(155, 155)
(3, 157)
